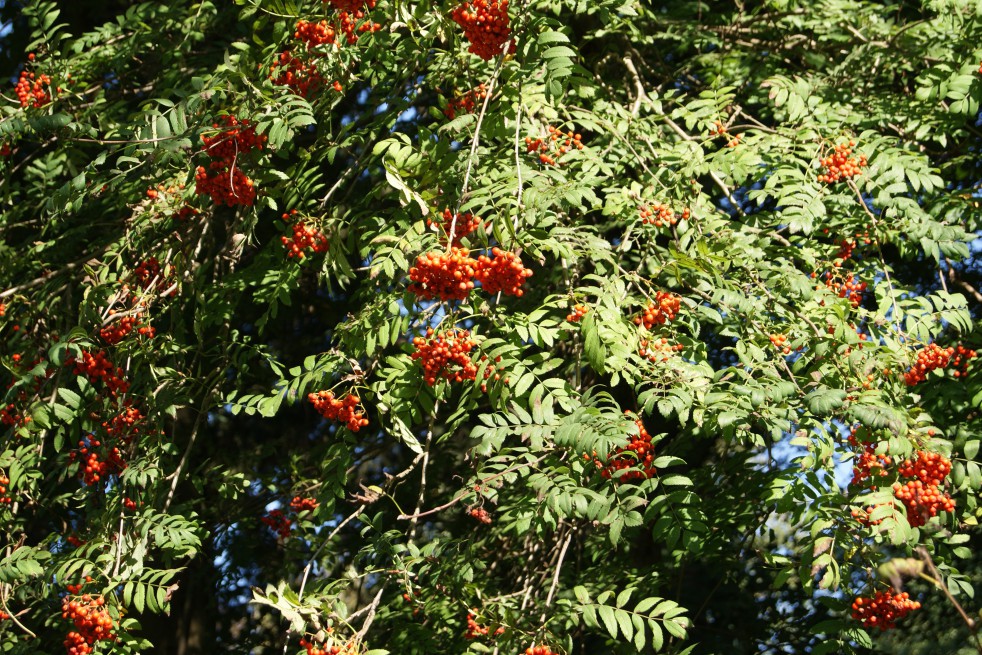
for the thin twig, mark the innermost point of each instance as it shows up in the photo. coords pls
(972, 625)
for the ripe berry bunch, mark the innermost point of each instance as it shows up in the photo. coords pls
(344, 409)
(223, 180)
(10, 416)
(464, 225)
(504, 273)
(122, 427)
(933, 356)
(577, 313)
(147, 272)
(466, 102)
(444, 275)
(559, 144)
(5, 151)
(92, 623)
(445, 356)
(31, 91)
(840, 165)
(5, 498)
(314, 34)
(661, 215)
(482, 516)
(324, 649)
(300, 504)
(278, 523)
(225, 184)
(848, 287)
(485, 25)
(883, 610)
(868, 464)
(719, 129)
(95, 462)
(780, 341)
(348, 23)
(539, 650)
(635, 458)
(302, 77)
(658, 350)
(97, 368)
(664, 309)
(922, 501)
(119, 330)
(929, 468)
(960, 360)
(4, 616)
(351, 5)
(304, 237)
(237, 137)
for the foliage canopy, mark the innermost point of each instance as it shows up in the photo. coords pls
(580, 324)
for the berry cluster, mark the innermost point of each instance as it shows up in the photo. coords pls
(539, 650)
(300, 504)
(779, 341)
(31, 91)
(933, 356)
(719, 129)
(323, 649)
(300, 76)
(5, 151)
(351, 5)
(480, 515)
(147, 273)
(225, 184)
(846, 246)
(550, 152)
(661, 215)
(344, 409)
(278, 523)
(664, 309)
(237, 137)
(882, 610)
(466, 102)
(11, 416)
(867, 463)
(635, 459)
(4, 616)
(97, 463)
(315, 34)
(97, 368)
(222, 179)
(921, 495)
(658, 350)
(485, 25)
(129, 504)
(848, 287)
(505, 273)
(120, 329)
(444, 275)
(123, 426)
(304, 237)
(474, 629)
(840, 165)
(461, 225)
(5, 498)
(92, 623)
(446, 356)
(577, 313)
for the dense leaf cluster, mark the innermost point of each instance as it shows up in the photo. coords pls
(641, 433)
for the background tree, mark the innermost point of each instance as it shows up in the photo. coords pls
(361, 326)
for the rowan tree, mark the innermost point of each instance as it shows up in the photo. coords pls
(543, 326)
